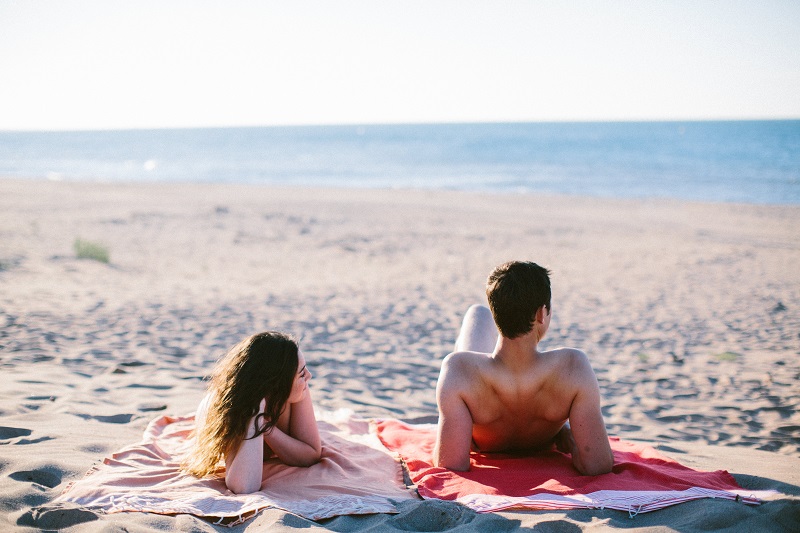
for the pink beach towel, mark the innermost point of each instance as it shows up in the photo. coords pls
(642, 479)
(355, 476)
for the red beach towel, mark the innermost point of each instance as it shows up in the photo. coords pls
(642, 479)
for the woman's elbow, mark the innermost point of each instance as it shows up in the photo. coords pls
(240, 486)
(312, 458)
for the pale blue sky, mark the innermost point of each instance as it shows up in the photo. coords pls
(88, 64)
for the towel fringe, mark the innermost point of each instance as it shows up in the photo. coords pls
(632, 514)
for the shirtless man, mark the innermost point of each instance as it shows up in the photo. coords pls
(502, 394)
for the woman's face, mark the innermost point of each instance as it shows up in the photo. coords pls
(300, 385)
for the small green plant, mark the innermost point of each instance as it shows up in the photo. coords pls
(90, 250)
(643, 357)
(727, 356)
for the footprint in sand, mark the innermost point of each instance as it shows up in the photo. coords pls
(622, 427)
(669, 449)
(152, 406)
(34, 441)
(145, 386)
(432, 515)
(12, 433)
(94, 448)
(41, 398)
(40, 477)
(7, 434)
(133, 363)
(53, 517)
(110, 419)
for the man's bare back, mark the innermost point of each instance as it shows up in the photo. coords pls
(520, 409)
(515, 398)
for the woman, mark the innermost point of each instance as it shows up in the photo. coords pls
(257, 406)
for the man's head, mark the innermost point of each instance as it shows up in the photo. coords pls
(516, 290)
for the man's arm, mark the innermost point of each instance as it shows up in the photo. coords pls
(591, 452)
(454, 435)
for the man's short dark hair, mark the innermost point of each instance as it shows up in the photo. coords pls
(516, 290)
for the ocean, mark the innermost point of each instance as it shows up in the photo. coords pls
(754, 162)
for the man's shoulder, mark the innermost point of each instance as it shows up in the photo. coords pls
(567, 354)
(465, 360)
(462, 366)
(574, 359)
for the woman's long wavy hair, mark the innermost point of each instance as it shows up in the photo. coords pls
(263, 366)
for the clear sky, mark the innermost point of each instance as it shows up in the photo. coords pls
(98, 64)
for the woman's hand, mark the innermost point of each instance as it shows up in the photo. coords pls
(299, 444)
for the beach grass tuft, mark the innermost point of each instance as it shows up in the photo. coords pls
(727, 356)
(90, 250)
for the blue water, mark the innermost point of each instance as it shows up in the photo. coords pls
(731, 161)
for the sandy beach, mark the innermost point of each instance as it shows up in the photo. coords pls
(689, 313)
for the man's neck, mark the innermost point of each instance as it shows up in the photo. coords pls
(519, 351)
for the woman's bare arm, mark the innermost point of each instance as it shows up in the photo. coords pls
(300, 445)
(243, 467)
